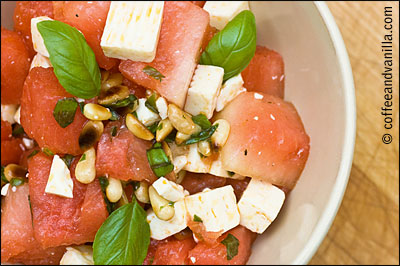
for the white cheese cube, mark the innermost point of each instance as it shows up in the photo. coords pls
(132, 30)
(231, 88)
(169, 190)
(179, 162)
(204, 89)
(78, 255)
(195, 163)
(160, 229)
(221, 12)
(29, 143)
(59, 182)
(17, 115)
(145, 115)
(37, 40)
(4, 189)
(259, 205)
(40, 61)
(216, 208)
(162, 107)
(217, 170)
(8, 112)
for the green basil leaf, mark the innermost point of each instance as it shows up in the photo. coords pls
(16, 181)
(232, 246)
(124, 237)
(159, 161)
(17, 130)
(64, 112)
(202, 121)
(34, 153)
(114, 115)
(83, 157)
(103, 185)
(197, 219)
(151, 103)
(47, 151)
(81, 105)
(231, 173)
(202, 135)
(234, 46)
(153, 128)
(171, 137)
(123, 103)
(3, 177)
(68, 158)
(72, 58)
(154, 73)
(114, 131)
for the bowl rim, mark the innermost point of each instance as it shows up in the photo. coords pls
(339, 188)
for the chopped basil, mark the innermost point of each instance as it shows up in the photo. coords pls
(197, 219)
(151, 103)
(114, 115)
(171, 136)
(231, 173)
(159, 161)
(17, 130)
(202, 121)
(68, 158)
(3, 177)
(64, 112)
(33, 153)
(16, 181)
(171, 203)
(30, 208)
(103, 185)
(124, 238)
(153, 128)
(83, 157)
(154, 73)
(232, 246)
(202, 135)
(129, 101)
(74, 62)
(136, 185)
(47, 151)
(114, 131)
(81, 106)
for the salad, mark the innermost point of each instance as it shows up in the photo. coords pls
(142, 133)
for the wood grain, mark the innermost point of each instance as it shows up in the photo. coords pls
(366, 228)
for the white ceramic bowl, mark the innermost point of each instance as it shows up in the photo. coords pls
(320, 84)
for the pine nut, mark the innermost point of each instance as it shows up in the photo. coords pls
(163, 130)
(112, 80)
(114, 189)
(96, 112)
(90, 134)
(142, 192)
(123, 200)
(171, 175)
(180, 137)
(14, 171)
(181, 120)
(85, 171)
(161, 207)
(179, 162)
(137, 128)
(114, 94)
(204, 148)
(220, 135)
(104, 75)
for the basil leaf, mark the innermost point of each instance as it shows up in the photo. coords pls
(47, 151)
(114, 115)
(72, 58)
(114, 131)
(234, 46)
(202, 135)
(3, 177)
(33, 154)
(16, 181)
(154, 73)
(103, 185)
(124, 237)
(68, 158)
(123, 103)
(197, 219)
(202, 121)
(17, 130)
(64, 112)
(159, 161)
(83, 157)
(232, 246)
(151, 103)
(153, 128)
(171, 137)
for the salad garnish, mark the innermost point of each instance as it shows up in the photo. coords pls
(64, 111)
(154, 73)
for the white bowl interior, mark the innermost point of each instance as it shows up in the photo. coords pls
(315, 84)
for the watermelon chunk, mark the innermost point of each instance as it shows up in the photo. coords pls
(265, 73)
(41, 93)
(267, 141)
(90, 18)
(182, 31)
(196, 182)
(204, 254)
(11, 150)
(124, 155)
(15, 64)
(6, 130)
(238, 186)
(24, 12)
(18, 244)
(64, 221)
(199, 3)
(174, 252)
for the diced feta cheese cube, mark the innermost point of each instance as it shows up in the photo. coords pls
(216, 208)
(29, 143)
(40, 61)
(59, 182)
(231, 88)
(37, 40)
(217, 170)
(145, 115)
(78, 255)
(160, 229)
(179, 162)
(259, 205)
(162, 107)
(8, 112)
(203, 90)
(132, 30)
(221, 12)
(195, 163)
(4, 189)
(17, 115)
(169, 190)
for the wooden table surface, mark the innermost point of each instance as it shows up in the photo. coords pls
(366, 228)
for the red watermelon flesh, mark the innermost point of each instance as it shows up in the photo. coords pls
(183, 29)
(90, 18)
(6, 130)
(15, 64)
(267, 141)
(238, 186)
(265, 73)
(196, 182)
(24, 12)
(18, 244)
(124, 155)
(174, 252)
(11, 150)
(204, 254)
(41, 93)
(199, 3)
(64, 221)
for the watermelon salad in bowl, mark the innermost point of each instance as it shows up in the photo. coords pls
(161, 133)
